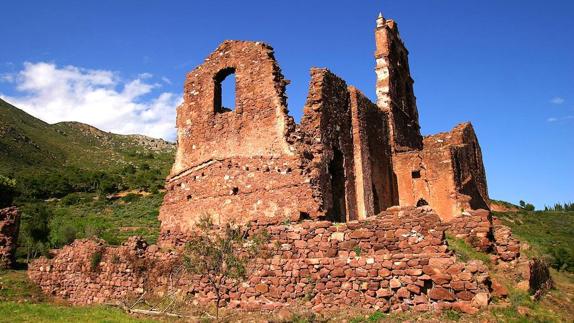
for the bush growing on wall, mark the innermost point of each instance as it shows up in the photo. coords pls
(221, 255)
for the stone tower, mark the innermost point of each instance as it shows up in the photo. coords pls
(395, 93)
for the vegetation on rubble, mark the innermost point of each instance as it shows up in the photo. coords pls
(95, 260)
(56, 223)
(465, 252)
(550, 234)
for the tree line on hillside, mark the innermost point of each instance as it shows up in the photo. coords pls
(560, 207)
(526, 206)
(72, 186)
(58, 184)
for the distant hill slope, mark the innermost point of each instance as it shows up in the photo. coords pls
(28, 144)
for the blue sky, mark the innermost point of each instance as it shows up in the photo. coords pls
(507, 66)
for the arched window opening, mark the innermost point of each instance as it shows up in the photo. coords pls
(224, 90)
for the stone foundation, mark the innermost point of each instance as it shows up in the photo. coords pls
(9, 226)
(397, 260)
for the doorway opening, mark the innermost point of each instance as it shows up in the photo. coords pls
(338, 212)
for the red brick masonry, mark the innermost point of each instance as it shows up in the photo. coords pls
(396, 260)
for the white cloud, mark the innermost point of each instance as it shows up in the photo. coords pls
(566, 118)
(96, 97)
(557, 100)
(166, 80)
(6, 78)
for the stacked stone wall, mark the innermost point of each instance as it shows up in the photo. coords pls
(242, 189)
(9, 227)
(475, 227)
(396, 261)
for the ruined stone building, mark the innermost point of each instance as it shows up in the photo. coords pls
(342, 197)
(348, 159)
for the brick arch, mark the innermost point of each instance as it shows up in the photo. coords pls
(259, 124)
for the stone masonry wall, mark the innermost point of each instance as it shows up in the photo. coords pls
(238, 164)
(326, 131)
(9, 227)
(396, 261)
(447, 174)
(240, 189)
(257, 126)
(375, 182)
(395, 93)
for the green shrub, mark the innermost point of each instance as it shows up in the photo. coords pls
(73, 199)
(7, 191)
(561, 259)
(131, 197)
(95, 260)
(35, 229)
(452, 315)
(464, 251)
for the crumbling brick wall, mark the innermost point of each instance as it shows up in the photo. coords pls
(326, 129)
(9, 227)
(474, 227)
(396, 261)
(236, 165)
(375, 181)
(347, 159)
(446, 174)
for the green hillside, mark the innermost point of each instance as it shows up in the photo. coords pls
(27, 142)
(75, 181)
(53, 160)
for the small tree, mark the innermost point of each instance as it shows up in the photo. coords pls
(35, 230)
(221, 255)
(526, 206)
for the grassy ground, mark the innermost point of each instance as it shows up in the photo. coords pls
(550, 235)
(22, 301)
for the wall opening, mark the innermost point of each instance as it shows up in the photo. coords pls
(224, 90)
(416, 174)
(376, 202)
(422, 202)
(338, 212)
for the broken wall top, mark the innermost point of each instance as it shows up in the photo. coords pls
(258, 125)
